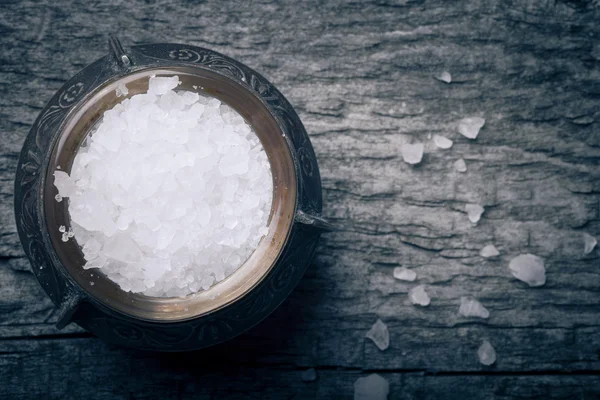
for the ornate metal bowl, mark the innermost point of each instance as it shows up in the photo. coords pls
(230, 307)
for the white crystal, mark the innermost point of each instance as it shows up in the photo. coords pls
(474, 212)
(412, 153)
(486, 353)
(58, 198)
(460, 165)
(309, 375)
(442, 142)
(121, 90)
(62, 228)
(372, 387)
(65, 185)
(444, 77)
(489, 251)
(469, 307)
(379, 334)
(170, 194)
(470, 126)
(589, 243)
(404, 274)
(419, 296)
(529, 269)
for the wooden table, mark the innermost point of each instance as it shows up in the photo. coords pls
(361, 76)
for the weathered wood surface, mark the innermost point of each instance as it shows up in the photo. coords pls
(360, 74)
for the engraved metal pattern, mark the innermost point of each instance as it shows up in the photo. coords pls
(122, 329)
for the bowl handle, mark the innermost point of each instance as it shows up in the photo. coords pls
(315, 221)
(68, 306)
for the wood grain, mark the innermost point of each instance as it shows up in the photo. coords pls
(361, 76)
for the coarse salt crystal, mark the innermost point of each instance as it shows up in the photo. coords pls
(412, 153)
(444, 77)
(167, 197)
(460, 165)
(470, 126)
(474, 212)
(469, 307)
(379, 334)
(372, 387)
(528, 268)
(486, 353)
(489, 251)
(404, 274)
(419, 296)
(442, 142)
(589, 243)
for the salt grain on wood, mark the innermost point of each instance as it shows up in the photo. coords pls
(528, 268)
(372, 387)
(460, 165)
(419, 296)
(486, 353)
(470, 126)
(379, 334)
(412, 153)
(474, 212)
(589, 243)
(442, 142)
(469, 307)
(444, 77)
(309, 375)
(489, 251)
(170, 194)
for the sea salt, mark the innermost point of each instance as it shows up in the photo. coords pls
(444, 77)
(419, 296)
(474, 212)
(404, 274)
(372, 387)
(489, 251)
(469, 307)
(470, 126)
(58, 198)
(589, 243)
(379, 334)
(412, 153)
(121, 90)
(528, 268)
(309, 375)
(170, 194)
(442, 142)
(62, 229)
(486, 353)
(460, 165)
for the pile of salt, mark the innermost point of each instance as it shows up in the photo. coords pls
(171, 194)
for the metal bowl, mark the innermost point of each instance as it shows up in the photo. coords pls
(200, 319)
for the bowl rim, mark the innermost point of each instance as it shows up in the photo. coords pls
(222, 324)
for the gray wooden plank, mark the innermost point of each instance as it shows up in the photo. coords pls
(361, 77)
(78, 368)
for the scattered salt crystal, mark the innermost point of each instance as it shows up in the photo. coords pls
(91, 283)
(589, 243)
(379, 334)
(529, 269)
(486, 353)
(460, 165)
(412, 153)
(444, 77)
(442, 142)
(121, 90)
(489, 251)
(309, 375)
(372, 387)
(469, 307)
(404, 274)
(419, 296)
(62, 228)
(170, 194)
(474, 212)
(58, 198)
(470, 126)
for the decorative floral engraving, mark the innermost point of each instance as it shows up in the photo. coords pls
(70, 96)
